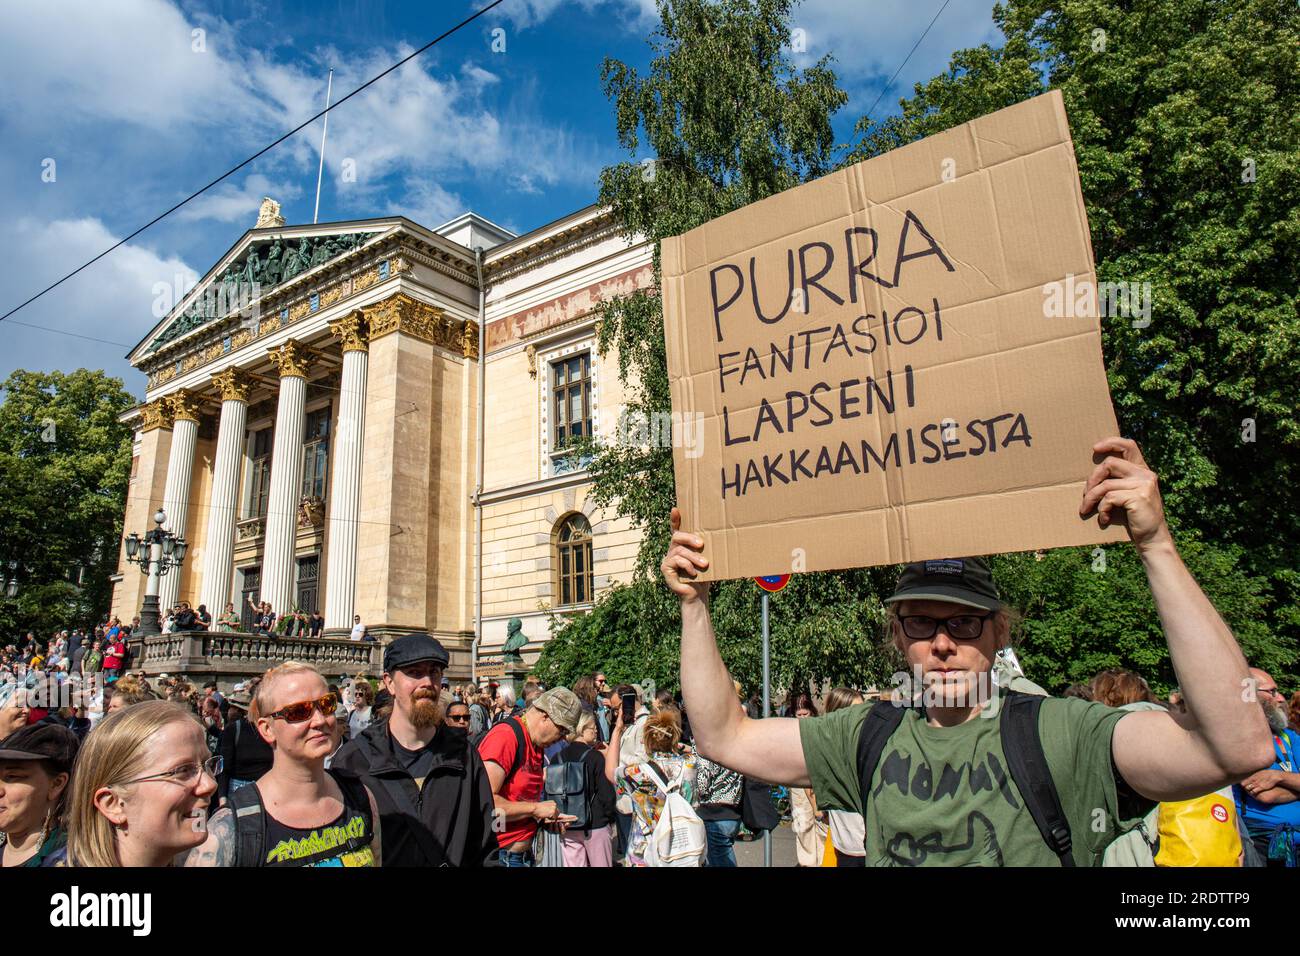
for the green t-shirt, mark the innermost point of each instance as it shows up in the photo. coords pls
(943, 796)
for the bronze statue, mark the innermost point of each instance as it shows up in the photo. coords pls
(515, 641)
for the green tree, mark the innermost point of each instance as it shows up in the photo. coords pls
(729, 120)
(1182, 113)
(65, 463)
(1183, 119)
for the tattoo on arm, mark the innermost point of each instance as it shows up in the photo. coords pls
(219, 848)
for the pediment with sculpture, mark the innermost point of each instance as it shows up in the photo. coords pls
(264, 265)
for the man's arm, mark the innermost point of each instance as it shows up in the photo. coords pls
(219, 848)
(516, 809)
(1227, 737)
(768, 749)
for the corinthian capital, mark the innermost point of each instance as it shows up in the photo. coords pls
(292, 359)
(185, 406)
(353, 331)
(156, 414)
(234, 384)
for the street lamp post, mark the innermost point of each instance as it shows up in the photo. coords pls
(157, 552)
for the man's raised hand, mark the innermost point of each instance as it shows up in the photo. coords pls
(684, 560)
(1123, 490)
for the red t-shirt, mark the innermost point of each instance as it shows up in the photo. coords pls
(524, 785)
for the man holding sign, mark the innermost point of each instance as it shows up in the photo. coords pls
(944, 790)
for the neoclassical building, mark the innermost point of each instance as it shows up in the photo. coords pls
(312, 418)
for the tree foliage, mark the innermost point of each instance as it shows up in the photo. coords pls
(65, 464)
(1183, 119)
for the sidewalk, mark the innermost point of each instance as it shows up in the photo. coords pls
(783, 851)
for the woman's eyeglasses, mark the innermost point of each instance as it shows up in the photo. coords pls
(963, 627)
(458, 718)
(187, 774)
(297, 713)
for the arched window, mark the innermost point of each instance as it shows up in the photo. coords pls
(574, 544)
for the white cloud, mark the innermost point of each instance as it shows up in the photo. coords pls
(870, 40)
(426, 202)
(239, 204)
(636, 14)
(111, 300)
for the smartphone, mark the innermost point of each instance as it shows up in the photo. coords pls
(629, 708)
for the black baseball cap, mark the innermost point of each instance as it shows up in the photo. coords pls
(965, 581)
(414, 649)
(51, 742)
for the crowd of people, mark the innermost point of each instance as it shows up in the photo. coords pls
(970, 763)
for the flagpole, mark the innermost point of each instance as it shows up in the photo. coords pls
(329, 88)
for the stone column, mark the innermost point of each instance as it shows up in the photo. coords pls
(219, 555)
(176, 493)
(345, 480)
(146, 490)
(293, 361)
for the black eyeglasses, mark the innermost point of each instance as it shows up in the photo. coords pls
(458, 718)
(962, 627)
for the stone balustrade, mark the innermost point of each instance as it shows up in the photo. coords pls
(235, 655)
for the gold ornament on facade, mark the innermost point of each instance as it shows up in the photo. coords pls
(333, 294)
(234, 385)
(291, 359)
(401, 313)
(299, 310)
(240, 339)
(156, 414)
(399, 266)
(351, 331)
(365, 280)
(190, 362)
(265, 326)
(469, 339)
(185, 406)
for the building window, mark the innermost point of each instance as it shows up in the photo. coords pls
(574, 560)
(308, 583)
(259, 485)
(250, 592)
(315, 453)
(570, 400)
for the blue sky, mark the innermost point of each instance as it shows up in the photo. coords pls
(137, 113)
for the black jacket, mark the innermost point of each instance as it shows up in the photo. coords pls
(448, 822)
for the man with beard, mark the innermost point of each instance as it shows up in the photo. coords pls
(1270, 799)
(435, 802)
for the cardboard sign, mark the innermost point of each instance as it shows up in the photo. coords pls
(879, 361)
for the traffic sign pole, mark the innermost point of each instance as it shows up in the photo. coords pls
(767, 712)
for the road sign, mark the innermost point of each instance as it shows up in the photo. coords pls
(773, 582)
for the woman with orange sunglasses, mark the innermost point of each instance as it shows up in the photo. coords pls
(298, 813)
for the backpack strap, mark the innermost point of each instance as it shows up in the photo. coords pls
(356, 797)
(882, 720)
(1027, 762)
(521, 746)
(250, 825)
(658, 777)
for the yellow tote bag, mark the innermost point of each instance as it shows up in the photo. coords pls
(1199, 832)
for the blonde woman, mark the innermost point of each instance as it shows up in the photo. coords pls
(808, 824)
(298, 813)
(140, 788)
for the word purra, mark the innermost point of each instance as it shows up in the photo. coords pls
(75, 909)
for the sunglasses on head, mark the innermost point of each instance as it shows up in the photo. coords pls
(962, 627)
(297, 713)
